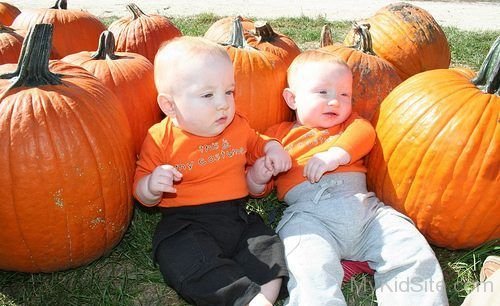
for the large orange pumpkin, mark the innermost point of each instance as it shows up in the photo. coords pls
(67, 163)
(408, 37)
(10, 44)
(142, 33)
(8, 13)
(74, 30)
(260, 78)
(130, 76)
(437, 155)
(373, 77)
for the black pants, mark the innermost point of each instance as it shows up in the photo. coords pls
(217, 254)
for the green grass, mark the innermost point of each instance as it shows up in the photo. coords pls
(127, 276)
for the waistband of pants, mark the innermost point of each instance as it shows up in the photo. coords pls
(334, 183)
(208, 208)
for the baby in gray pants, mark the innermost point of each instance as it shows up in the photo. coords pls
(331, 215)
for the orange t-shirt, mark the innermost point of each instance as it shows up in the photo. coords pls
(355, 135)
(213, 168)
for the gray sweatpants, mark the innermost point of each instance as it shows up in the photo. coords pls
(337, 218)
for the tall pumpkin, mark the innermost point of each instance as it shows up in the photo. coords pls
(437, 155)
(74, 30)
(67, 163)
(373, 77)
(8, 13)
(130, 76)
(260, 78)
(408, 37)
(142, 33)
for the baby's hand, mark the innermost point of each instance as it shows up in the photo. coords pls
(325, 161)
(162, 179)
(277, 159)
(259, 173)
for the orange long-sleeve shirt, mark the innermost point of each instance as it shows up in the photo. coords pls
(213, 168)
(355, 135)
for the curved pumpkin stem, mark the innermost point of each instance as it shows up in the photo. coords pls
(33, 67)
(363, 38)
(135, 10)
(106, 48)
(326, 38)
(61, 5)
(237, 38)
(264, 31)
(488, 77)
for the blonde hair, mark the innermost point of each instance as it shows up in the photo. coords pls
(312, 56)
(179, 52)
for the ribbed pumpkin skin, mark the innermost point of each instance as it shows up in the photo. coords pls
(143, 35)
(131, 78)
(409, 38)
(436, 158)
(260, 78)
(8, 13)
(74, 30)
(373, 78)
(11, 42)
(67, 166)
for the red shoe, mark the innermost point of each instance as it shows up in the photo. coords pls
(352, 268)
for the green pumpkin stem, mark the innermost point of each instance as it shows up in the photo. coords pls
(33, 66)
(135, 10)
(326, 38)
(60, 5)
(237, 38)
(264, 31)
(488, 77)
(106, 48)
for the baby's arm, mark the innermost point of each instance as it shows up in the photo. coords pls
(325, 161)
(276, 158)
(258, 176)
(150, 188)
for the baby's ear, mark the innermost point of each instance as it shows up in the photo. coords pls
(166, 104)
(289, 97)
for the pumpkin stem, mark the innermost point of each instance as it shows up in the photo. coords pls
(61, 5)
(363, 38)
(237, 38)
(106, 48)
(135, 10)
(488, 77)
(264, 31)
(326, 38)
(33, 66)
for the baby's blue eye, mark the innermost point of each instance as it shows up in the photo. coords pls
(230, 92)
(208, 95)
(323, 92)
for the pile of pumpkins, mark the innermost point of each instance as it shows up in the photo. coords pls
(77, 98)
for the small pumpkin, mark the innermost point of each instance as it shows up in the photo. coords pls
(130, 76)
(259, 35)
(408, 37)
(8, 13)
(373, 77)
(436, 157)
(74, 30)
(11, 42)
(142, 33)
(260, 78)
(67, 161)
